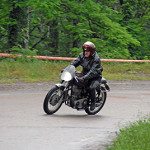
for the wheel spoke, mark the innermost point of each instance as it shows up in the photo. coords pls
(53, 101)
(99, 102)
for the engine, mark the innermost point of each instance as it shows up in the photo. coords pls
(76, 92)
(77, 99)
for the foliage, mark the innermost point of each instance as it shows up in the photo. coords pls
(136, 136)
(136, 18)
(25, 52)
(60, 27)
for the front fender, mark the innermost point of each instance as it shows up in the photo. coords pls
(60, 86)
(105, 87)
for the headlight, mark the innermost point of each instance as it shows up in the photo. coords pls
(66, 76)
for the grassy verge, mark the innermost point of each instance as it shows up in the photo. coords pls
(32, 71)
(40, 71)
(127, 71)
(134, 137)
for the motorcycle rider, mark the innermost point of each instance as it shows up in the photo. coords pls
(91, 69)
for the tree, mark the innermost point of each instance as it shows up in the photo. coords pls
(60, 27)
(137, 20)
(17, 25)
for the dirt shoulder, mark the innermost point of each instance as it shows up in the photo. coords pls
(44, 86)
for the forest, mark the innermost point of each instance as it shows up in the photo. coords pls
(118, 28)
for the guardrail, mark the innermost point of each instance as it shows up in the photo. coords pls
(6, 55)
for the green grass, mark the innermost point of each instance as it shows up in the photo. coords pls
(40, 71)
(36, 71)
(127, 71)
(134, 137)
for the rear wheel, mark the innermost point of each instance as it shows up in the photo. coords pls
(53, 101)
(100, 101)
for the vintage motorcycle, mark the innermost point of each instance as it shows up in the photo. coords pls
(69, 91)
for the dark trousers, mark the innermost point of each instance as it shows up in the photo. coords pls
(91, 87)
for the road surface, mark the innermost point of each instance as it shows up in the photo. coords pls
(25, 126)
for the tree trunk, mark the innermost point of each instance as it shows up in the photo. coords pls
(17, 28)
(27, 34)
(121, 2)
(54, 36)
(75, 39)
(13, 27)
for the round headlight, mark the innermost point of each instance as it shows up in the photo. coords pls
(66, 76)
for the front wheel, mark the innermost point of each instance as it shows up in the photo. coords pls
(53, 101)
(100, 101)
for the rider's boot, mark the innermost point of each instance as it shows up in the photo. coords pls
(93, 98)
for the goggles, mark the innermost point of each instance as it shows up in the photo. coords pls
(86, 50)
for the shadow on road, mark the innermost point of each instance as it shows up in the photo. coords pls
(71, 116)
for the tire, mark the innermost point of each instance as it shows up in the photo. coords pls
(102, 102)
(52, 101)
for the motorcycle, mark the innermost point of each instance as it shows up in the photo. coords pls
(69, 91)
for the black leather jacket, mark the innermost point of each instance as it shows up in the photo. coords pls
(91, 66)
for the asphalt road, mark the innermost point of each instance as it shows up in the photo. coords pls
(25, 126)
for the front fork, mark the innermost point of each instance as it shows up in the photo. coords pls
(63, 86)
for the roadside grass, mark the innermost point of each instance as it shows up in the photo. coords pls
(42, 71)
(127, 71)
(134, 137)
(35, 71)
